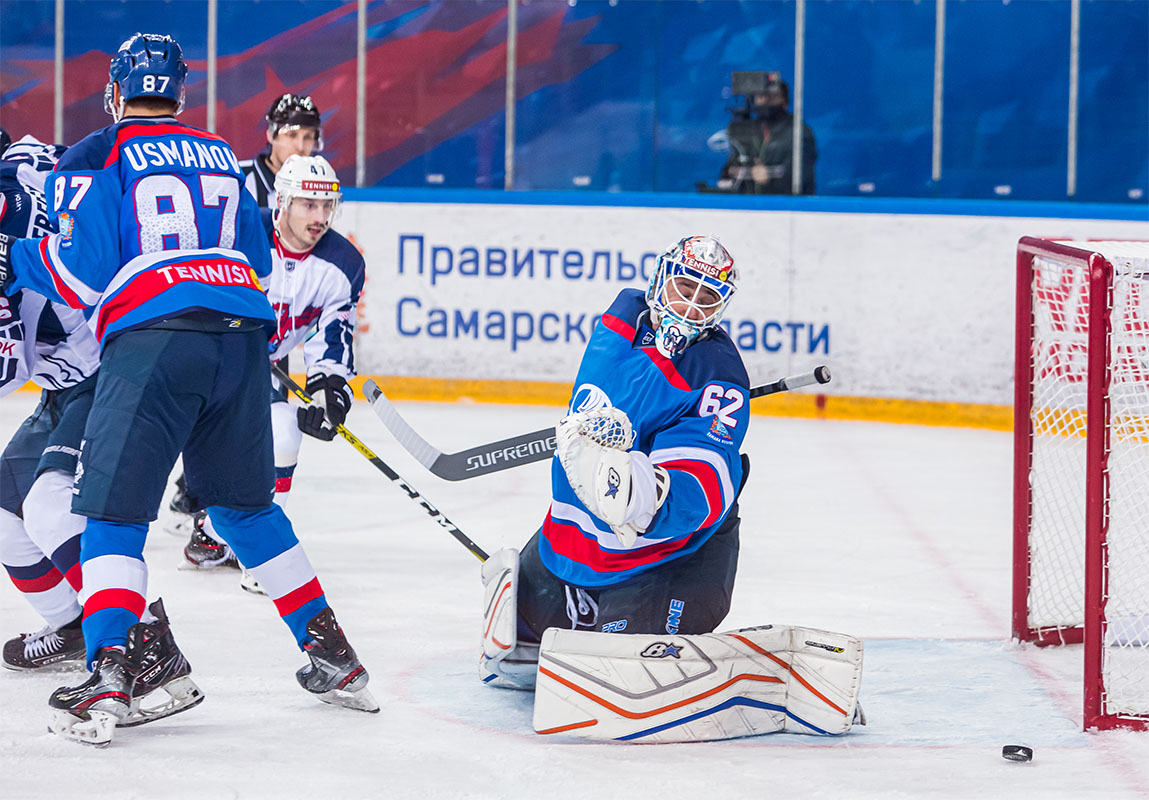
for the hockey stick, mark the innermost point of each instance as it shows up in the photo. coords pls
(526, 448)
(382, 466)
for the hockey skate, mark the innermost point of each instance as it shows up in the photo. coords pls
(248, 583)
(89, 713)
(334, 675)
(158, 664)
(204, 552)
(44, 648)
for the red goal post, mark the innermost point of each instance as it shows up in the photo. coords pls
(1081, 465)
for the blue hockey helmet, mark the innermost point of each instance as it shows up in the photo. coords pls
(147, 65)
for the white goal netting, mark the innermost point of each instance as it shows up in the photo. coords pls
(1059, 420)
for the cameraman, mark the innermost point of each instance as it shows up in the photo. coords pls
(761, 157)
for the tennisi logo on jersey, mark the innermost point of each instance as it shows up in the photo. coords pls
(216, 273)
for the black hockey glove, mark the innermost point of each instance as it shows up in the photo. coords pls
(331, 398)
(5, 261)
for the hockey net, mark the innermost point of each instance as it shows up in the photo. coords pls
(1081, 465)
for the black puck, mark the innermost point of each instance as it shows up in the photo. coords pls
(1017, 752)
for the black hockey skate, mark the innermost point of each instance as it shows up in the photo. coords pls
(89, 713)
(158, 664)
(334, 675)
(45, 647)
(204, 552)
(181, 502)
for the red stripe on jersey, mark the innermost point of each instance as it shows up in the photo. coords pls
(664, 364)
(282, 485)
(132, 131)
(295, 600)
(70, 298)
(133, 602)
(74, 577)
(156, 281)
(41, 584)
(708, 479)
(569, 541)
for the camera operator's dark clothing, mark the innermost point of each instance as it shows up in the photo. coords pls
(757, 141)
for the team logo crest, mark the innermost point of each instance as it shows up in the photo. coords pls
(661, 650)
(718, 432)
(588, 397)
(67, 227)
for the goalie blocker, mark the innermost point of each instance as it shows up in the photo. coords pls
(658, 688)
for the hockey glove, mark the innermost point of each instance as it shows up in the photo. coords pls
(618, 485)
(5, 261)
(330, 402)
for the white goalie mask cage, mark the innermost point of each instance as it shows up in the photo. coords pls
(307, 177)
(689, 291)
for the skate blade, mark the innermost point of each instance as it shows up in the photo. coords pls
(182, 694)
(211, 566)
(66, 662)
(361, 700)
(96, 731)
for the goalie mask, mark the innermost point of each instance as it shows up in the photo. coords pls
(689, 291)
(307, 199)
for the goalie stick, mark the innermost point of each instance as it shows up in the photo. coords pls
(516, 451)
(382, 466)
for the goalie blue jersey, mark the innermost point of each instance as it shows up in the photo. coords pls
(153, 223)
(690, 415)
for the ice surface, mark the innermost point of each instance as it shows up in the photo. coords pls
(897, 534)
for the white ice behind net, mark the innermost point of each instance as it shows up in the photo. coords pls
(1057, 536)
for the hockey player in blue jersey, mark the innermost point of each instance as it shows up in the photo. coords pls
(314, 288)
(609, 612)
(655, 549)
(159, 240)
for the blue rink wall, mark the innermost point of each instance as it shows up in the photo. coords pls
(910, 303)
(624, 94)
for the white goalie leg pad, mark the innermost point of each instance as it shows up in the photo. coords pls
(656, 688)
(504, 662)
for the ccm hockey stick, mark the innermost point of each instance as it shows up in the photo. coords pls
(526, 448)
(382, 466)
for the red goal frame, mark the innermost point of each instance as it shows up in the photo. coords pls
(1092, 630)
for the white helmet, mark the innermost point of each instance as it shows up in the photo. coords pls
(689, 292)
(307, 176)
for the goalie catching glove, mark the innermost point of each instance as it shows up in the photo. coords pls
(330, 401)
(618, 485)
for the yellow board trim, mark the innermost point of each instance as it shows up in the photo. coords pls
(801, 404)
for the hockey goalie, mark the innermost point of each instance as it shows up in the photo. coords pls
(609, 612)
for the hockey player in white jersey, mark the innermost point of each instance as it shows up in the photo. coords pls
(608, 612)
(314, 288)
(52, 346)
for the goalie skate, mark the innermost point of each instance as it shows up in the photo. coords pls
(88, 713)
(335, 674)
(159, 665)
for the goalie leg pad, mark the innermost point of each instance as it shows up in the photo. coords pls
(504, 661)
(697, 688)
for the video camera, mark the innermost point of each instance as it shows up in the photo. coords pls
(749, 84)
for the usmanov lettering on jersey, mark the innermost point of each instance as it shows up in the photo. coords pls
(180, 153)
